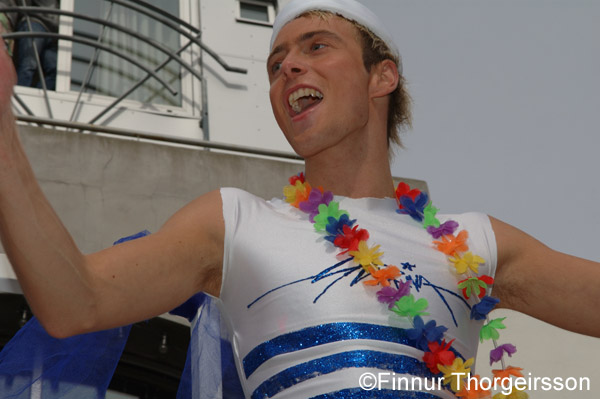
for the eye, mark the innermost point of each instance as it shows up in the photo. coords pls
(275, 67)
(317, 46)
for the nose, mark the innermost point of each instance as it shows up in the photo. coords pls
(293, 66)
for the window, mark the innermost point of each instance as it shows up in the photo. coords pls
(111, 74)
(257, 12)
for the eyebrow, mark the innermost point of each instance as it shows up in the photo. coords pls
(302, 38)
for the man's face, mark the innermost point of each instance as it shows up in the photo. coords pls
(319, 85)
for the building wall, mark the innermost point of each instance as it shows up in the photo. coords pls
(239, 108)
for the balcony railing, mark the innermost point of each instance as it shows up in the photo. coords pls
(28, 106)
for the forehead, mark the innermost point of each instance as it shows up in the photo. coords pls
(297, 28)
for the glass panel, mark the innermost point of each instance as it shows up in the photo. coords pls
(112, 75)
(254, 11)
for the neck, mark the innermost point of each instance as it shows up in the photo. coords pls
(364, 173)
(358, 166)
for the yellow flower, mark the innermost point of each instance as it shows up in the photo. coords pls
(366, 256)
(467, 261)
(456, 373)
(297, 193)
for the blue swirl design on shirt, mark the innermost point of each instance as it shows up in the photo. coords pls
(418, 281)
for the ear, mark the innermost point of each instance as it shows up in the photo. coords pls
(384, 79)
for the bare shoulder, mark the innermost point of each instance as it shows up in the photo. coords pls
(156, 273)
(512, 243)
(530, 278)
(195, 235)
(519, 257)
(202, 216)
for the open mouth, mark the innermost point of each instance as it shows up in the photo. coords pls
(303, 99)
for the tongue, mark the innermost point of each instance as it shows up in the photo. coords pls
(307, 102)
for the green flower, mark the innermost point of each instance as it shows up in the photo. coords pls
(429, 218)
(326, 212)
(472, 285)
(408, 307)
(490, 330)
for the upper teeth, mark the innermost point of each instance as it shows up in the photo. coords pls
(304, 92)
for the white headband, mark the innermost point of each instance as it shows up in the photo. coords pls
(349, 9)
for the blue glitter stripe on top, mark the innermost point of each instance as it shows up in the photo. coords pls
(320, 335)
(400, 364)
(359, 393)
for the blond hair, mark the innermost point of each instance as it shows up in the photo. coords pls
(375, 50)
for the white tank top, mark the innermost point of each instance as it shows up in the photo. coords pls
(301, 324)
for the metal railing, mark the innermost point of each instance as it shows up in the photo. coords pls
(190, 34)
(84, 127)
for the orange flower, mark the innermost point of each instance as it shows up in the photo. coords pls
(507, 372)
(475, 391)
(450, 245)
(382, 276)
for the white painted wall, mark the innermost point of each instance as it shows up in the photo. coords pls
(239, 108)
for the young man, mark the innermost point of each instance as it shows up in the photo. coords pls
(306, 319)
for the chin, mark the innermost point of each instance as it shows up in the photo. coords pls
(301, 151)
(309, 150)
(305, 143)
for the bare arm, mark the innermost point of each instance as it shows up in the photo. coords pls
(551, 286)
(73, 293)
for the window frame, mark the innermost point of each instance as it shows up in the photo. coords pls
(270, 12)
(189, 87)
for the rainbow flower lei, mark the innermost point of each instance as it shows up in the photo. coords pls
(342, 232)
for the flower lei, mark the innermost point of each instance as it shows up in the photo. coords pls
(342, 232)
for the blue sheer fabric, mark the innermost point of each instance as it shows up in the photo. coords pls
(35, 365)
(210, 370)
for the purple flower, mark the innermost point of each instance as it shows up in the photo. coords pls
(446, 228)
(497, 353)
(390, 295)
(315, 198)
(413, 208)
(480, 311)
(423, 333)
